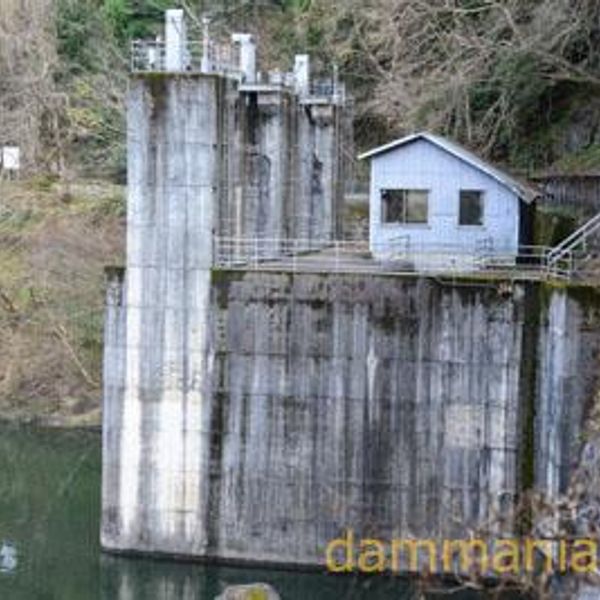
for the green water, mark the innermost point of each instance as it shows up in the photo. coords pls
(49, 549)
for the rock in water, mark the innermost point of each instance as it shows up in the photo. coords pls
(254, 591)
(8, 557)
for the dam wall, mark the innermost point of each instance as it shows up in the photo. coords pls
(394, 406)
(256, 416)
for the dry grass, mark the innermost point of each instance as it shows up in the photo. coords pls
(54, 243)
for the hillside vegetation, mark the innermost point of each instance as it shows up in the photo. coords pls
(517, 80)
(54, 242)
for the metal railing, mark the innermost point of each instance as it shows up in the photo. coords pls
(329, 89)
(151, 56)
(396, 256)
(576, 241)
(533, 260)
(234, 251)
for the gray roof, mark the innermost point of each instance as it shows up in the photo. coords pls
(522, 190)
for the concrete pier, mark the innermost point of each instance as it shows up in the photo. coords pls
(173, 189)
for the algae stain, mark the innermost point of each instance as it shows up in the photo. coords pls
(156, 84)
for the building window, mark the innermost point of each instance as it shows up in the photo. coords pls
(471, 207)
(404, 206)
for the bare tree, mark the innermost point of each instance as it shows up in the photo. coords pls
(468, 68)
(31, 107)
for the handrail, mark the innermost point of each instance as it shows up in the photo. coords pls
(576, 238)
(220, 57)
(306, 255)
(151, 56)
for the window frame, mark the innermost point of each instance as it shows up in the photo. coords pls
(482, 201)
(404, 222)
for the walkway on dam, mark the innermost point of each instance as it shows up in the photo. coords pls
(356, 257)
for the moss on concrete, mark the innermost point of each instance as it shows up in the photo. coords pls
(221, 280)
(533, 309)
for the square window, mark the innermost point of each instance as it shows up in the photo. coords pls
(471, 207)
(404, 206)
(392, 206)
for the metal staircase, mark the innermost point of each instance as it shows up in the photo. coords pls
(577, 249)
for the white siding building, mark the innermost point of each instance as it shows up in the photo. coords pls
(436, 202)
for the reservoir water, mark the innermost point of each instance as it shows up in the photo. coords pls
(49, 548)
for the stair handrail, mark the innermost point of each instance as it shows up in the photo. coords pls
(578, 236)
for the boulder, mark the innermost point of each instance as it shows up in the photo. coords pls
(254, 591)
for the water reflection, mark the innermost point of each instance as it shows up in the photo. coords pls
(144, 579)
(8, 557)
(49, 550)
(137, 579)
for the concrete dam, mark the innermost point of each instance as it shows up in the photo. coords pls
(254, 414)
(387, 405)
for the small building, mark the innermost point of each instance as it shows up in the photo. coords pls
(437, 203)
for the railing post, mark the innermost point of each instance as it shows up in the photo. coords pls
(294, 255)
(337, 255)
(572, 265)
